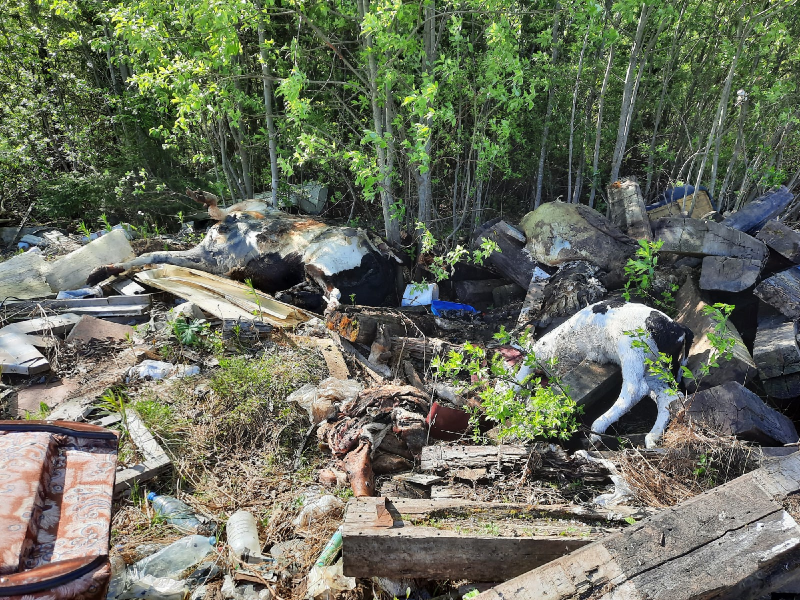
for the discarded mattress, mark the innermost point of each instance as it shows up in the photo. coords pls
(223, 298)
(56, 486)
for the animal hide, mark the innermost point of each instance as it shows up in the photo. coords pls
(277, 250)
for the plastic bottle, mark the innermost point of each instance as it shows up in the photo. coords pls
(177, 513)
(173, 560)
(242, 532)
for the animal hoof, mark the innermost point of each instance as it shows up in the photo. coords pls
(594, 438)
(651, 440)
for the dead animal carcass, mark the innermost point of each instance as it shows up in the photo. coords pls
(607, 332)
(277, 250)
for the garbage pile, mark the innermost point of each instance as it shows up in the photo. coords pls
(385, 471)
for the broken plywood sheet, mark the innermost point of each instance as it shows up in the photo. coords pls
(70, 272)
(23, 277)
(30, 399)
(221, 297)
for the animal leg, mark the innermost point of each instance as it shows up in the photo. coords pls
(191, 259)
(634, 388)
(663, 398)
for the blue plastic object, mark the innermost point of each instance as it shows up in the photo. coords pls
(437, 306)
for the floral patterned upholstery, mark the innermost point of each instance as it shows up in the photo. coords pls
(56, 486)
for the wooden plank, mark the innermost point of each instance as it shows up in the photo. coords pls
(729, 274)
(775, 349)
(380, 373)
(359, 324)
(156, 460)
(407, 546)
(337, 367)
(782, 291)
(220, 296)
(443, 458)
(627, 209)
(733, 542)
(589, 382)
(753, 215)
(512, 260)
(782, 239)
(692, 237)
(740, 367)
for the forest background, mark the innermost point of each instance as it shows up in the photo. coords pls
(445, 112)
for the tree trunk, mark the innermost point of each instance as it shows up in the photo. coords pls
(390, 220)
(266, 73)
(628, 95)
(572, 117)
(599, 131)
(537, 199)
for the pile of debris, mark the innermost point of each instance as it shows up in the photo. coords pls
(296, 365)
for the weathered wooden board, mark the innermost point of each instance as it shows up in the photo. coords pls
(775, 349)
(589, 382)
(156, 461)
(692, 237)
(359, 324)
(729, 274)
(734, 542)
(782, 239)
(753, 215)
(740, 367)
(627, 209)
(395, 538)
(782, 291)
(222, 297)
(512, 261)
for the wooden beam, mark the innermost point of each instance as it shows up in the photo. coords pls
(782, 239)
(512, 260)
(456, 539)
(627, 209)
(782, 291)
(734, 542)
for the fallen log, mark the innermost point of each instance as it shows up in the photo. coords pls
(690, 304)
(782, 291)
(627, 210)
(359, 324)
(734, 542)
(782, 239)
(512, 261)
(422, 348)
(753, 215)
(458, 539)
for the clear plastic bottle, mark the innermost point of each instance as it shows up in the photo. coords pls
(242, 532)
(177, 513)
(173, 560)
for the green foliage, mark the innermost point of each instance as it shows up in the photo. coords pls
(189, 333)
(721, 339)
(251, 290)
(443, 266)
(641, 271)
(534, 411)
